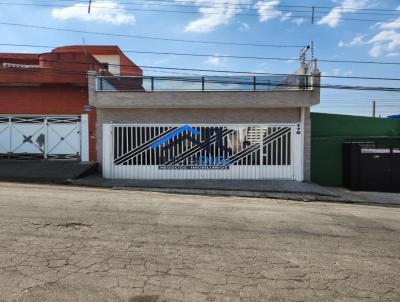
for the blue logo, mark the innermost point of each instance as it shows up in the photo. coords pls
(209, 159)
(174, 134)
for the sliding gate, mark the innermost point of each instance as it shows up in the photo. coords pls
(44, 137)
(202, 151)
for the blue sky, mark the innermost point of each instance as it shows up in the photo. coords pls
(243, 21)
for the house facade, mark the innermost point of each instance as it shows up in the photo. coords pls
(91, 103)
(205, 127)
(44, 101)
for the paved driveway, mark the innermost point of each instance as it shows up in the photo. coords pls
(62, 243)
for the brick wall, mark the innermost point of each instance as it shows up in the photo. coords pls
(49, 100)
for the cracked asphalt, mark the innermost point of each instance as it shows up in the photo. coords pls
(63, 243)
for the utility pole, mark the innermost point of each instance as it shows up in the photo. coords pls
(373, 108)
(90, 6)
(312, 15)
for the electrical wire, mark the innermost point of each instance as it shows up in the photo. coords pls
(268, 84)
(183, 2)
(248, 7)
(149, 37)
(225, 56)
(205, 13)
(219, 71)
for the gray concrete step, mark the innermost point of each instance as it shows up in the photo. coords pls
(282, 189)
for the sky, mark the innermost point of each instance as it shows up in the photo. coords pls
(277, 22)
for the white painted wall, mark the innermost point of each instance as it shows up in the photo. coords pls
(84, 137)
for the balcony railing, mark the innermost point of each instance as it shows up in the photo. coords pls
(205, 83)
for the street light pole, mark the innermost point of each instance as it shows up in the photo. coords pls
(373, 108)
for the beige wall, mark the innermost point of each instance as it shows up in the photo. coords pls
(203, 116)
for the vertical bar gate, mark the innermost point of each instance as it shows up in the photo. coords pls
(202, 151)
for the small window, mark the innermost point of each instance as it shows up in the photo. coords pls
(104, 66)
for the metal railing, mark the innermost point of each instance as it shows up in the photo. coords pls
(205, 83)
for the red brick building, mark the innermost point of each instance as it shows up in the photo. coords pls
(44, 111)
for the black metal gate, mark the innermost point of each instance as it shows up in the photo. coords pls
(371, 167)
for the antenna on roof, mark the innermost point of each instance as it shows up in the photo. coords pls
(312, 49)
(303, 53)
(90, 6)
(303, 65)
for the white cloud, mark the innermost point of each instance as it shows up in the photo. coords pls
(286, 16)
(387, 40)
(216, 60)
(347, 73)
(336, 71)
(391, 25)
(347, 6)
(298, 21)
(214, 15)
(244, 27)
(356, 41)
(267, 10)
(376, 50)
(395, 24)
(262, 67)
(384, 41)
(106, 11)
(340, 72)
(224, 12)
(393, 54)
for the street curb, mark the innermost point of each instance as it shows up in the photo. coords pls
(272, 195)
(223, 193)
(305, 197)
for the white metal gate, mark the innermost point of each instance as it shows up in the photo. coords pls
(42, 137)
(202, 151)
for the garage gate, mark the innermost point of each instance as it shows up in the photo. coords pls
(202, 151)
(44, 137)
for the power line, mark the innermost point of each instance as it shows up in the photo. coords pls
(154, 10)
(150, 37)
(206, 13)
(223, 56)
(247, 7)
(217, 71)
(259, 58)
(271, 83)
(273, 74)
(240, 5)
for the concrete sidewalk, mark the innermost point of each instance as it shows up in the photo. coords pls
(378, 198)
(279, 189)
(50, 171)
(284, 189)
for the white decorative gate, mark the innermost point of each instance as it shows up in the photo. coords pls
(202, 151)
(43, 137)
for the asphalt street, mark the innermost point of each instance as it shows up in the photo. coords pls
(65, 243)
